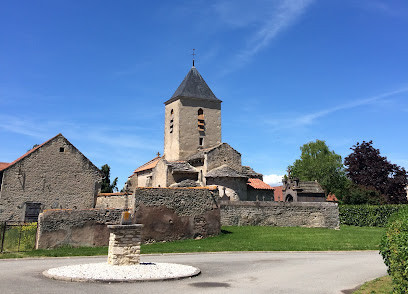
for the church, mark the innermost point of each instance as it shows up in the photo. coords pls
(194, 154)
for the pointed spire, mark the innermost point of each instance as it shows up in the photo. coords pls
(193, 56)
(193, 86)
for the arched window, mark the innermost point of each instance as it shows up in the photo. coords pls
(171, 120)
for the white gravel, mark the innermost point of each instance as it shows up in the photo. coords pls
(121, 273)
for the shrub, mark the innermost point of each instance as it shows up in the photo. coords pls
(367, 215)
(394, 250)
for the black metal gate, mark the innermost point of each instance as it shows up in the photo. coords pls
(17, 236)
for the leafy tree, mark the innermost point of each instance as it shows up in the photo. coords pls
(361, 195)
(367, 168)
(319, 163)
(107, 187)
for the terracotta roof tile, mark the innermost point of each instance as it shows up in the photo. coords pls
(113, 194)
(148, 165)
(332, 198)
(3, 165)
(278, 194)
(259, 184)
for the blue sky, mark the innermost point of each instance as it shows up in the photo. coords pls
(288, 72)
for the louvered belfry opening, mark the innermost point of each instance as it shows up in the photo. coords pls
(171, 120)
(201, 126)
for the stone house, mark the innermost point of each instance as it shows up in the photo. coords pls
(52, 175)
(194, 154)
(294, 190)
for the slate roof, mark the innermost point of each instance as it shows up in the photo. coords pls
(181, 166)
(193, 86)
(148, 165)
(224, 171)
(310, 187)
(198, 155)
(250, 173)
(258, 184)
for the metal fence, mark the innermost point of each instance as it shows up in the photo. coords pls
(17, 236)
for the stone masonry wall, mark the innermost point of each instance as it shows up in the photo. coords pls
(115, 202)
(166, 214)
(177, 213)
(54, 178)
(75, 227)
(245, 213)
(224, 154)
(124, 244)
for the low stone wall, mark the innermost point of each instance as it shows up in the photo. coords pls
(280, 214)
(75, 227)
(167, 214)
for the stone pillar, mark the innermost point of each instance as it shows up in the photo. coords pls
(124, 244)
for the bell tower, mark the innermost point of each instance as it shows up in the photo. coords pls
(192, 118)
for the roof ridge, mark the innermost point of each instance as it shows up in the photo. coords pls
(30, 152)
(140, 168)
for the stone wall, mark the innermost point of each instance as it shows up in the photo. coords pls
(245, 213)
(112, 201)
(75, 227)
(234, 188)
(177, 213)
(167, 214)
(224, 154)
(259, 195)
(56, 175)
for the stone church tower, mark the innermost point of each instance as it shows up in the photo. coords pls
(194, 154)
(192, 118)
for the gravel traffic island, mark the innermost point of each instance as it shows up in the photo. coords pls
(104, 272)
(123, 264)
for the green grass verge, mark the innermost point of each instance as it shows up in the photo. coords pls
(381, 285)
(247, 239)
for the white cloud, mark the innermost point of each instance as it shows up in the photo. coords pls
(265, 20)
(273, 179)
(304, 120)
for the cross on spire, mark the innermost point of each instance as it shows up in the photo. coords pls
(193, 55)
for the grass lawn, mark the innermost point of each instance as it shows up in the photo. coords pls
(247, 239)
(381, 285)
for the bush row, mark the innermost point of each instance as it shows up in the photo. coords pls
(367, 215)
(394, 250)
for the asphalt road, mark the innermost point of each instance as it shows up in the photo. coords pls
(243, 272)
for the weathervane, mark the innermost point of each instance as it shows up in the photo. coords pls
(193, 55)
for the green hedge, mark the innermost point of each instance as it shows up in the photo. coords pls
(394, 250)
(367, 215)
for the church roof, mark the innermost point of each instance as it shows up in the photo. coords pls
(193, 86)
(224, 171)
(250, 173)
(181, 167)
